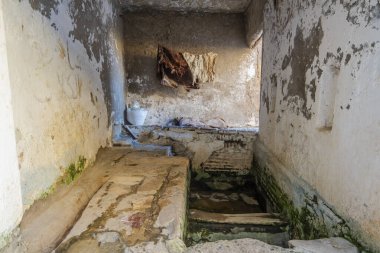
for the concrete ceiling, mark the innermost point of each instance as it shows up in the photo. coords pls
(215, 6)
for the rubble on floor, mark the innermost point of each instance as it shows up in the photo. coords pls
(190, 122)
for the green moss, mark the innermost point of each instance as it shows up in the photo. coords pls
(304, 223)
(74, 170)
(49, 191)
(307, 225)
(195, 236)
(4, 240)
(200, 175)
(70, 174)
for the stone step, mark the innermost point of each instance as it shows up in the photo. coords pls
(239, 245)
(325, 245)
(199, 232)
(261, 219)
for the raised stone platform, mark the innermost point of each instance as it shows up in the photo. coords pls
(142, 202)
(127, 201)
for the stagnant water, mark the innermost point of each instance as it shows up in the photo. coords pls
(229, 194)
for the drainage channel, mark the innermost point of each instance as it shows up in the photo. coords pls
(227, 206)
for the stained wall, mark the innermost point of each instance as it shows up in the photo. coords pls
(234, 94)
(319, 111)
(63, 57)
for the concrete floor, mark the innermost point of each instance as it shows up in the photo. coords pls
(129, 201)
(126, 199)
(143, 201)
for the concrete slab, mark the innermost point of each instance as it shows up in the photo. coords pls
(141, 206)
(326, 245)
(126, 198)
(240, 245)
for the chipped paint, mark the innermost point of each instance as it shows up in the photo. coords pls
(45, 7)
(325, 55)
(302, 56)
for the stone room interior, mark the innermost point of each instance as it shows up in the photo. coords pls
(173, 126)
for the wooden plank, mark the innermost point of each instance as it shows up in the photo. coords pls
(266, 219)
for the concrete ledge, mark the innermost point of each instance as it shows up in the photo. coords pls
(264, 219)
(45, 224)
(126, 199)
(142, 202)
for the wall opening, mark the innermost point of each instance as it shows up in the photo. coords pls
(231, 100)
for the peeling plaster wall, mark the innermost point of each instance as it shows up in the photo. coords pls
(10, 190)
(234, 94)
(61, 57)
(320, 94)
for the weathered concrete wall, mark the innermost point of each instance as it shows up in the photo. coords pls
(61, 57)
(10, 190)
(233, 96)
(319, 114)
(254, 22)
